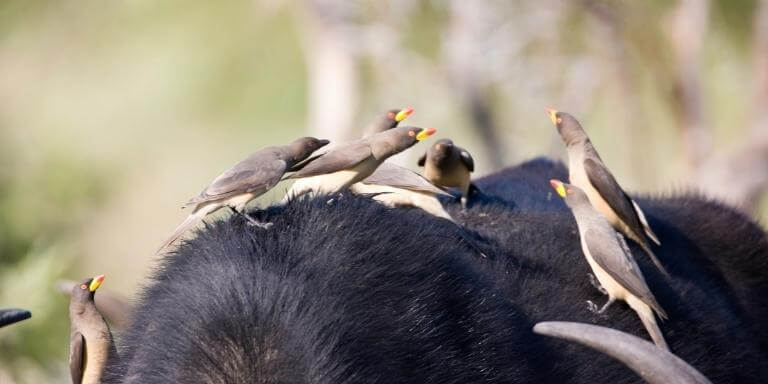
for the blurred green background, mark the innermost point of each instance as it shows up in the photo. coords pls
(113, 113)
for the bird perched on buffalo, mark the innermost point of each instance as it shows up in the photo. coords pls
(611, 261)
(90, 341)
(247, 180)
(352, 162)
(387, 121)
(587, 171)
(382, 123)
(13, 315)
(448, 165)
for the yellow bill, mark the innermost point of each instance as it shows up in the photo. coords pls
(425, 133)
(403, 114)
(96, 283)
(558, 186)
(552, 115)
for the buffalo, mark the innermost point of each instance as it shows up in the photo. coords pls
(358, 292)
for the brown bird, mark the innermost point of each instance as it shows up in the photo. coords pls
(448, 165)
(247, 180)
(381, 123)
(352, 162)
(587, 171)
(396, 186)
(115, 308)
(90, 340)
(613, 264)
(387, 121)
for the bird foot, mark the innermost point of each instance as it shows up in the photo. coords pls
(330, 201)
(596, 284)
(260, 224)
(592, 307)
(256, 223)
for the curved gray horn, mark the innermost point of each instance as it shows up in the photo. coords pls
(653, 364)
(10, 316)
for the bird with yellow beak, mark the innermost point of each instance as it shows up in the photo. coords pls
(90, 342)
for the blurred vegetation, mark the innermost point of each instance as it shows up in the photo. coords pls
(115, 112)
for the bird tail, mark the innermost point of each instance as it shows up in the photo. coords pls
(188, 223)
(649, 321)
(647, 248)
(646, 227)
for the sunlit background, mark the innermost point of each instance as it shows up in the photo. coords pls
(113, 113)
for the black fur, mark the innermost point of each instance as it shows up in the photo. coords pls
(356, 292)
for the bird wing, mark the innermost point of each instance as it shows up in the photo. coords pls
(467, 160)
(76, 356)
(261, 169)
(610, 251)
(602, 179)
(396, 176)
(337, 159)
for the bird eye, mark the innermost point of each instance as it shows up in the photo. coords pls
(411, 133)
(559, 120)
(83, 286)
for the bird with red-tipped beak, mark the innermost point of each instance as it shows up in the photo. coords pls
(588, 172)
(611, 261)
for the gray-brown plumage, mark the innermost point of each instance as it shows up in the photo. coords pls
(397, 186)
(90, 340)
(611, 261)
(448, 165)
(352, 162)
(115, 308)
(587, 171)
(387, 121)
(248, 180)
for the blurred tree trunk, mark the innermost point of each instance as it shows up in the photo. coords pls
(332, 68)
(467, 31)
(742, 177)
(688, 29)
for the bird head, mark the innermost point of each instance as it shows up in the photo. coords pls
(440, 150)
(84, 291)
(567, 126)
(303, 147)
(570, 193)
(387, 121)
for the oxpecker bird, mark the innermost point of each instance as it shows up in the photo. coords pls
(387, 121)
(611, 261)
(396, 186)
(587, 171)
(247, 180)
(384, 122)
(352, 162)
(448, 165)
(90, 340)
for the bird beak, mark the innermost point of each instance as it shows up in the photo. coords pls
(425, 133)
(403, 114)
(324, 142)
(96, 283)
(552, 115)
(558, 186)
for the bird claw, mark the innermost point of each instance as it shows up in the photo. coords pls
(260, 224)
(596, 284)
(592, 307)
(330, 201)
